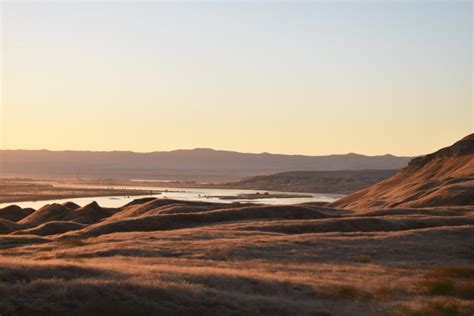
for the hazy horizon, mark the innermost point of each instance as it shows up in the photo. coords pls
(310, 78)
(197, 149)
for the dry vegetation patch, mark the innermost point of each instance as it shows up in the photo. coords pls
(163, 257)
(452, 281)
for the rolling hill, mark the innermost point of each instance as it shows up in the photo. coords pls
(169, 257)
(443, 178)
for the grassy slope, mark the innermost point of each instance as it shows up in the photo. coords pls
(198, 258)
(443, 178)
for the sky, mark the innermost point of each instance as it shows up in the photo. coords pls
(296, 77)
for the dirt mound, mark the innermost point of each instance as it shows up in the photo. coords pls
(51, 228)
(71, 205)
(443, 178)
(14, 213)
(162, 206)
(48, 213)
(140, 201)
(89, 214)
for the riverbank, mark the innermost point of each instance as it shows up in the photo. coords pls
(19, 190)
(28, 192)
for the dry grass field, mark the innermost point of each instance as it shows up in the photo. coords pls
(165, 257)
(404, 246)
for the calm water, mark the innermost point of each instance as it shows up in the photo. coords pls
(186, 194)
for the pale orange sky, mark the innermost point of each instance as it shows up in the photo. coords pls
(302, 78)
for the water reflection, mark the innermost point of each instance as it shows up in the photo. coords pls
(188, 194)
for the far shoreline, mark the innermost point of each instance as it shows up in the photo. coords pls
(18, 190)
(25, 190)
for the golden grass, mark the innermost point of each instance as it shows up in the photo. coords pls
(453, 281)
(226, 262)
(436, 308)
(219, 284)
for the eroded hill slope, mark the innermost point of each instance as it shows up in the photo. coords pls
(443, 178)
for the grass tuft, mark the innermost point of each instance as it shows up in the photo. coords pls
(363, 259)
(346, 292)
(440, 286)
(449, 281)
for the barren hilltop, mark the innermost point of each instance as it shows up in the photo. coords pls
(443, 178)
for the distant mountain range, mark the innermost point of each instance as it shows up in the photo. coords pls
(196, 164)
